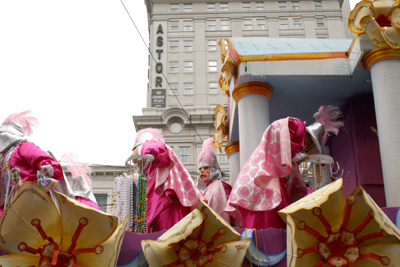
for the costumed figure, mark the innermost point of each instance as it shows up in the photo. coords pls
(17, 152)
(216, 191)
(260, 190)
(172, 193)
(81, 183)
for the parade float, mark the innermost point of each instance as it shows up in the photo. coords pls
(351, 218)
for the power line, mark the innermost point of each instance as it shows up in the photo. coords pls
(162, 73)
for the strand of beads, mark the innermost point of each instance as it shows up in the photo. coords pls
(144, 199)
(130, 204)
(142, 204)
(135, 205)
(124, 198)
(117, 197)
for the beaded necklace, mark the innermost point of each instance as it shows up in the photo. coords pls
(141, 205)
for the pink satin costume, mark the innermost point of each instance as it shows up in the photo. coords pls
(172, 193)
(260, 190)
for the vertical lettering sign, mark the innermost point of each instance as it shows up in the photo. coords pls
(158, 94)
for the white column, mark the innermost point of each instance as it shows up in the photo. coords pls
(253, 106)
(386, 87)
(232, 151)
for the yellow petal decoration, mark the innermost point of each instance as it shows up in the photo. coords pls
(391, 36)
(111, 247)
(30, 203)
(325, 228)
(395, 17)
(380, 20)
(220, 126)
(20, 260)
(35, 233)
(373, 30)
(361, 10)
(202, 238)
(99, 222)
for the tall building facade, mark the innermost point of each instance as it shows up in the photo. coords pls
(184, 65)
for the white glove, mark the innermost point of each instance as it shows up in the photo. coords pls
(47, 170)
(299, 157)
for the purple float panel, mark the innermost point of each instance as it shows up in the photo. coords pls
(132, 244)
(391, 212)
(356, 149)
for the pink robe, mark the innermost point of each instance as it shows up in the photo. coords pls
(29, 159)
(217, 194)
(260, 191)
(172, 193)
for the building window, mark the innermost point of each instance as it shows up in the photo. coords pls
(184, 154)
(247, 24)
(188, 25)
(295, 5)
(175, 127)
(188, 46)
(174, 25)
(187, 8)
(102, 201)
(283, 24)
(260, 24)
(212, 65)
(210, 7)
(224, 24)
(213, 88)
(259, 6)
(173, 46)
(173, 66)
(211, 24)
(212, 45)
(174, 8)
(188, 89)
(320, 23)
(297, 23)
(318, 5)
(173, 89)
(221, 155)
(282, 5)
(223, 7)
(188, 66)
(246, 6)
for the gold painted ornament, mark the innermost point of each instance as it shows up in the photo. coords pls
(202, 238)
(35, 233)
(380, 20)
(325, 229)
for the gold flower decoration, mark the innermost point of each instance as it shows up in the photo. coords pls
(325, 229)
(35, 233)
(220, 126)
(379, 19)
(228, 66)
(202, 238)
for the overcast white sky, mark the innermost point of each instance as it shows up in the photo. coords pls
(81, 67)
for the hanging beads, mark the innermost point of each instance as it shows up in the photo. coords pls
(131, 200)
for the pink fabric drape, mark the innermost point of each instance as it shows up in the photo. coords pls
(217, 194)
(260, 185)
(172, 192)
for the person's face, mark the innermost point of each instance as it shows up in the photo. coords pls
(205, 174)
